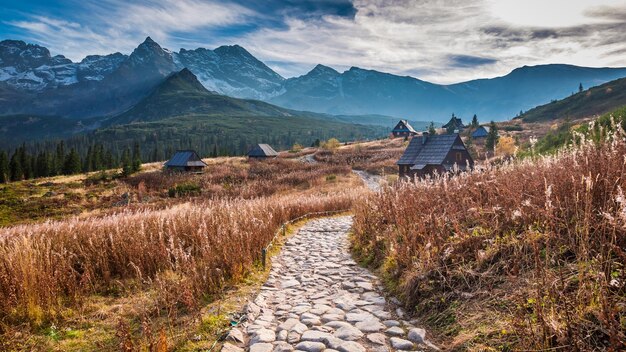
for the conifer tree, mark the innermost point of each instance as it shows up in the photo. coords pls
(136, 162)
(492, 137)
(127, 163)
(42, 165)
(15, 168)
(475, 123)
(4, 167)
(431, 129)
(88, 165)
(60, 158)
(72, 163)
(109, 162)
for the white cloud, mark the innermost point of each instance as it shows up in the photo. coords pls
(552, 13)
(442, 41)
(120, 25)
(424, 38)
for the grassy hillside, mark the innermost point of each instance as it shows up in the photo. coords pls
(565, 134)
(595, 101)
(182, 94)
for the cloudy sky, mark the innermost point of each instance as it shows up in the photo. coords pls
(442, 41)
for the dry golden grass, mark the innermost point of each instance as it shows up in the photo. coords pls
(157, 263)
(528, 255)
(377, 157)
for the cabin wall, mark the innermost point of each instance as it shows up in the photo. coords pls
(404, 170)
(459, 157)
(402, 134)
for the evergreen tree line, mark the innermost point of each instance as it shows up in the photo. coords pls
(23, 164)
(121, 148)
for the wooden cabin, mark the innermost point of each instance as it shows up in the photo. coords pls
(427, 154)
(403, 129)
(455, 124)
(185, 160)
(262, 151)
(481, 132)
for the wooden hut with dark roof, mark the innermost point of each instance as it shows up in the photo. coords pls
(185, 160)
(262, 151)
(481, 132)
(455, 124)
(428, 154)
(403, 129)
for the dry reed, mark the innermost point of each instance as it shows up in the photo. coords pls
(528, 255)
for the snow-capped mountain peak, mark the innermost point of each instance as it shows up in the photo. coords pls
(229, 69)
(31, 67)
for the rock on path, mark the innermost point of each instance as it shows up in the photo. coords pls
(318, 299)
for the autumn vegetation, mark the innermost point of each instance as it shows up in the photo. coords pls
(375, 157)
(524, 253)
(170, 245)
(525, 256)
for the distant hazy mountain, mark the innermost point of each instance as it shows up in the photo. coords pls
(358, 91)
(34, 82)
(594, 101)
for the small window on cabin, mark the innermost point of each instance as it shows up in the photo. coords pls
(459, 156)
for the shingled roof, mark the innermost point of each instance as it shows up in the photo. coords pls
(454, 122)
(481, 131)
(403, 126)
(261, 151)
(428, 150)
(185, 158)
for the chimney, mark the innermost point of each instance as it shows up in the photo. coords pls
(424, 137)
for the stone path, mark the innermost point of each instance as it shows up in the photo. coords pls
(370, 180)
(318, 299)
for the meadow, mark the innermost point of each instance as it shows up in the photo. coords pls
(139, 273)
(525, 256)
(378, 157)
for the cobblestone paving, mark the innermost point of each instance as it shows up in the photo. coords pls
(318, 299)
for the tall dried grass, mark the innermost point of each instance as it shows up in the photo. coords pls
(250, 180)
(528, 255)
(184, 253)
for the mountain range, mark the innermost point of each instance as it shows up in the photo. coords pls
(180, 113)
(32, 81)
